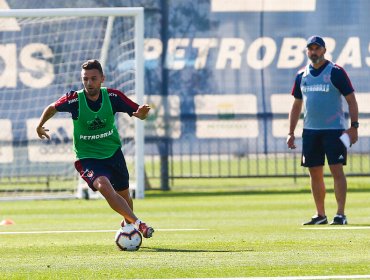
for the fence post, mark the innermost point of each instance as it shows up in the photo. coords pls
(164, 145)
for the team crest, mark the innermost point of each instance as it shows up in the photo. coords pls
(326, 78)
(89, 173)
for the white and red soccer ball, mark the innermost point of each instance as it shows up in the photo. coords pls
(128, 238)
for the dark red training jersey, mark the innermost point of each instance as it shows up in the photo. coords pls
(120, 103)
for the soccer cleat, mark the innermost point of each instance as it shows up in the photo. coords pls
(339, 220)
(317, 220)
(146, 231)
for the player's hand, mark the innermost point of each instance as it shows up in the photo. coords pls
(142, 111)
(41, 132)
(290, 141)
(353, 134)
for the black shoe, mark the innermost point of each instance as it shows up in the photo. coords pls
(317, 220)
(339, 220)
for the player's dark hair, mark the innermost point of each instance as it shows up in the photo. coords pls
(92, 64)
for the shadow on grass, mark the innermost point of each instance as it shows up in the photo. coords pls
(203, 192)
(193, 250)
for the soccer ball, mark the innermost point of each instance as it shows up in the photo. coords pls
(128, 238)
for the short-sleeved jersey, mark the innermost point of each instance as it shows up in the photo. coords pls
(321, 90)
(95, 134)
(119, 101)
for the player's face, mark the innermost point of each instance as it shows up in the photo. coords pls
(316, 53)
(92, 80)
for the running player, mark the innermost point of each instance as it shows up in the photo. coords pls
(96, 141)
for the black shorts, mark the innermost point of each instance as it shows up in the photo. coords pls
(114, 168)
(318, 143)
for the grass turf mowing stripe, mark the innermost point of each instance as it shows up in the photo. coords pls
(90, 231)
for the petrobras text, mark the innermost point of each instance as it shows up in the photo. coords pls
(197, 53)
(97, 136)
(263, 52)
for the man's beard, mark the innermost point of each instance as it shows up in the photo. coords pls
(316, 59)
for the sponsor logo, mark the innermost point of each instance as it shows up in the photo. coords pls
(8, 24)
(239, 52)
(96, 123)
(72, 100)
(96, 136)
(315, 88)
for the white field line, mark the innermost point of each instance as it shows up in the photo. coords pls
(288, 278)
(336, 228)
(310, 277)
(90, 231)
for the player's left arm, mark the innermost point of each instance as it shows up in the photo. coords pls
(142, 112)
(353, 113)
(121, 103)
(342, 82)
(47, 114)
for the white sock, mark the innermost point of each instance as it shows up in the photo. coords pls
(137, 223)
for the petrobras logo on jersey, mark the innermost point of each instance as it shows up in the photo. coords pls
(260, 53)
(316, 88)
(97, 136)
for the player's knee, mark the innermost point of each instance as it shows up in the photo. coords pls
(102, 184)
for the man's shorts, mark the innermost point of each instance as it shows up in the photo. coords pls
(114, 168)
(318, 143)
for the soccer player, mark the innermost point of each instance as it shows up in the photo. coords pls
(100, 161)
(319, 88)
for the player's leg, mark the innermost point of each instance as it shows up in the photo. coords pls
(96, 172)
(116, 201)
(340, 186)
(313, 157)
(318, 189)
(336, 153)
(120, 177)
(125, 194)
(120, 183)
(146, 230)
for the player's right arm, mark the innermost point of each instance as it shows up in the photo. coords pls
(295, 112)
(66, 103)
(294, 115)
(47, 114)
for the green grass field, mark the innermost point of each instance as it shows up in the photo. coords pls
(246, 232)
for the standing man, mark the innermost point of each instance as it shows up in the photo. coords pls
(96, 141)
(319, 87)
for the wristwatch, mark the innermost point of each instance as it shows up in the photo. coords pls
(355, 124)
